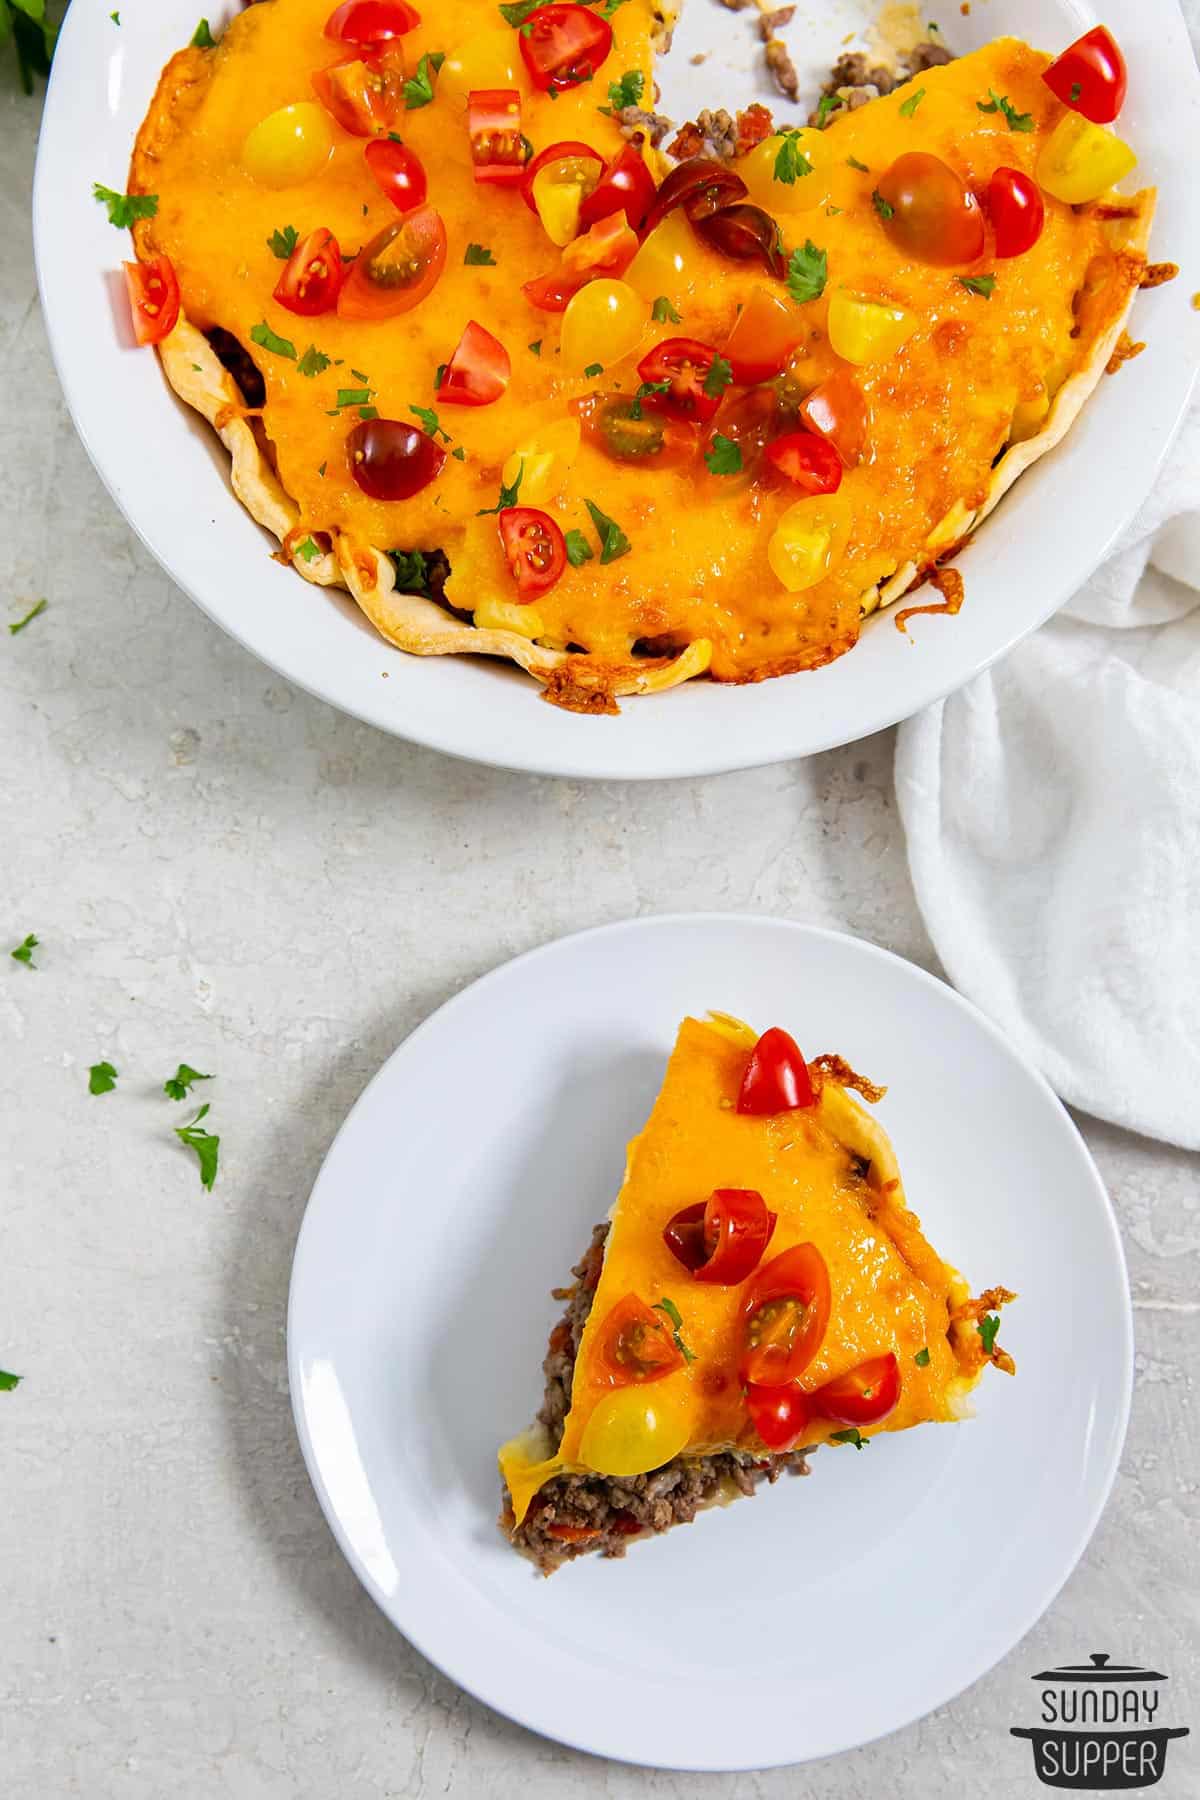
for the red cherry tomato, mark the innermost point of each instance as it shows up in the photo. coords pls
(784, 1317)
(563, 45)
(702, 185)
(928, 212)
(777, 1078)
(1090, 76)
(780, 1415)
(392, 461)
(399, 172)
(626, 186)
(863, 1395)
(589, 161)
(685, 363)
(764, 334)
(312, 276)
(394, 271)
(743, 232)
(499, 152)
(1018, 211)
(534, 549)
(365, 94)
(808, 460)
(636, 1343)
(607, 249)
(836, 410)
(478, 372)
(371, 22)
(153, 298)
(721, 1239)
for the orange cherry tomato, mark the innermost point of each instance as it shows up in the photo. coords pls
(684, 364)
(636, 1343)
(394, 271)
(365, 94)
(499, 151)
(764, 334)
(780, 1415)
(153, 290)
(928, 212)
(784, 1317)
(863, 1395)
(836, 410)
(399, 172)
(1090, 76)
(626, 186)
(562, 46)
(808, 460)
(777, 1078)
(312, 276)
(721, 1239)
(478, 372)
(607, 248)
(371, 22)
(1018, 212)
(580, 163)
(391, 460)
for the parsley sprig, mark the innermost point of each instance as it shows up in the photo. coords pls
(102, 1078)
(663, 313)
(627, 91)
(978, 284)
(206, 1145)
(723, 456)
(508, 496)
(282, 243)
(790, 160)
(418, 89)
(124, 209)
(613, 542)
(8, 1381)
(24, 951)
(987, 1328)
(179, 1085)
(1016, 121)
(808, 271)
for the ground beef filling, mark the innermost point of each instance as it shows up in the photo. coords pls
(575, 1514)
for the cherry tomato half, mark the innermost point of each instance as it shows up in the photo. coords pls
(780, 1415)
(607, 248)
(808, 460)
(153, 290)
(764, 334)
(499, 152)
(391, 460)
(479, 370)
(365, 94)
(777, 1078)
(743, 232)
(636, 1343)
(535, 551)
(371, 22)
(685, 363)
(584, 163)
(1017, 210)
(863, 1395)
(1090, 76)
(626, 186)
(397, 268)
(928, 212)
(563, 45)
(784, 1317)
(701, 186)
(836, 410)
(312, 276)
(721, 1239)
(399, 172)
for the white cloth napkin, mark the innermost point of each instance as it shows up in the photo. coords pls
(1052, 810)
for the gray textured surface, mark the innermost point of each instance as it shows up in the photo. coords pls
(225, 871)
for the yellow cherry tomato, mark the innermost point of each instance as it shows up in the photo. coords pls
(667, 263)
(545, 459)
(603, 323)
(635, 1429)
(505, 615)
(289, 146)
(486, 59)
(1080, 161)
(788, 173)
(866, 331)
(809, 540)
(558, 189)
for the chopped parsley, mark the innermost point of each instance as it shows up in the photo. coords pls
(628, 90)
(536, 346)
(359, 376)
(322, 469)
(270, 340)
(313, 362)
(24, 952)
(883, 207)
(831, 212)
(987, 1329)
(1076, 90)
(206, 1146)
(418, 89)
(672, 1311)
(719, 376)
(308, 550)
(828, 103)
(9, 1382)
(412, 574)
(429, 421)
(852, 1436)
(578, 548)
(978, 284)
(663, 313)
(368, 412)
(123, 209)
(353, 396)
(808, 270)
(852, 162)
(102, 1078)
(115, 17)
(594, 369)
(479, 256)
(282, 243)
(922, 1357)
(790, 160)
(724, 457)
(178, 1085)
(645, 388)
(908, 107)
(1001, 103)
(202, 38)
(613, 542)
(518, 13)
(460, 454)
(508, 496)
(33, 613)
(610, 7)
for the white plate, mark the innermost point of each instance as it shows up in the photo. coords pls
(170, 478)
(819, 1614)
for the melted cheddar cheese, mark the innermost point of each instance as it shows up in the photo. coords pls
(891, 1291)
(976, 373)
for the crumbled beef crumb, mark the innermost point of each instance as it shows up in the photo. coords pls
(634, 119)
(783, 69)
(237, 361)
(771, 22)
(854, 79)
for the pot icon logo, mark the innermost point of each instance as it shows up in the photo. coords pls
(1099, 1726)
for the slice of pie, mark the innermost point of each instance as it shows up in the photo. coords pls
(760, 1289)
